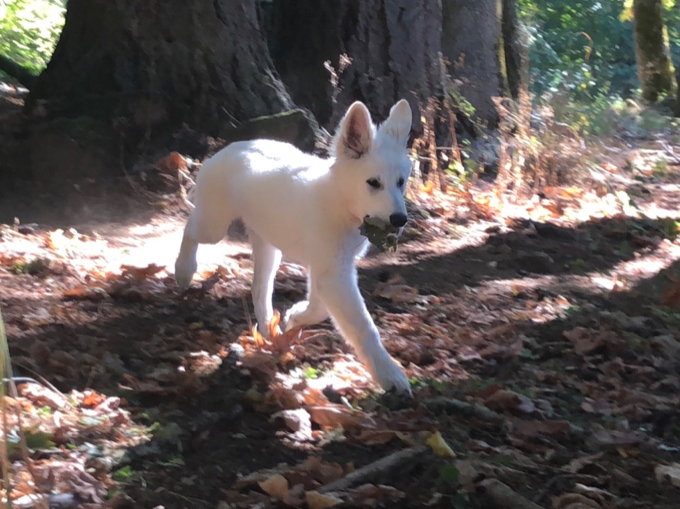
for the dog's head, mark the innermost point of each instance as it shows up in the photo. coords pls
(372, 163)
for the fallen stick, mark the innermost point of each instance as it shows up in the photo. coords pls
(454, 405)
(373, 470)
(502, 496)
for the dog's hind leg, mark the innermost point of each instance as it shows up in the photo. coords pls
(266, 261)
(186, 264)
(201, 228)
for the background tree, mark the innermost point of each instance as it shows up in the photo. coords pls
(471, 35)
(153, 66)
(512, 48)
(652, 49)
(393, 49)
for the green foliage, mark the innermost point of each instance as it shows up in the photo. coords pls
(580, 45)
(586, 47)
(312, 373)
(125, 474)
(582, 63)
(449, 474)
(32, 268)
(29, 30)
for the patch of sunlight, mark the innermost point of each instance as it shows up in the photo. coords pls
(158, 242)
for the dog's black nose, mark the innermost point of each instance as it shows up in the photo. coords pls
(398, 219)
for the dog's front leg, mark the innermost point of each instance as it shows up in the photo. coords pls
(339, 291)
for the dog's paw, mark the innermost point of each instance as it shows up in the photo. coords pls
(390, 376)
(291, 318)
(184, 271)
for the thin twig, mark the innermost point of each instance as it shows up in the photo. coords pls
(5, 425)
(373, 470)
(40, 381)
(443, 404)
(502, 496)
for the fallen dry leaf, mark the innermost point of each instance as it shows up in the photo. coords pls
(671, 296)
(92, 399)
(171, 164)
(579, 463)
(396, 290)
(587, 340)
(260, 364)
(316, 500)
(148, 386)
(298, 421)
(668, 473)
(42, 396)
(331, 416)
(141, 273)
(574, 501)
(323, 471)
(95, 292)
(503, 399)
(275, 486)
(439, 446)
(373, 495)
(607, 438)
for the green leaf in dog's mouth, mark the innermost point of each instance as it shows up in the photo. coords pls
(380, 233)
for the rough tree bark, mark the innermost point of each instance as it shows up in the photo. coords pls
(512, 47)
(394, 47)
(471, 35)
(152, 66)
(652, 51)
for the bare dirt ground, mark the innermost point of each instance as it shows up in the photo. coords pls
(542, 338)
(543, 355)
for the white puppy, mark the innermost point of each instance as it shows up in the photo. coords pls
(310, 209)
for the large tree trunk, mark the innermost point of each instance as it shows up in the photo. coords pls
(471, 36)
(393, 46)
(654, 67)
(152, 66)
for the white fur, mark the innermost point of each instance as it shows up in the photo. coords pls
(309, 209)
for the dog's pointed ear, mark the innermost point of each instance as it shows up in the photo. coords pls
(398, 124)
(355, 134)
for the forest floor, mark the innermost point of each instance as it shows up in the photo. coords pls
(542, 337)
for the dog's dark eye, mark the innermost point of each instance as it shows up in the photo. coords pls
(400, 183)
(374, 183)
